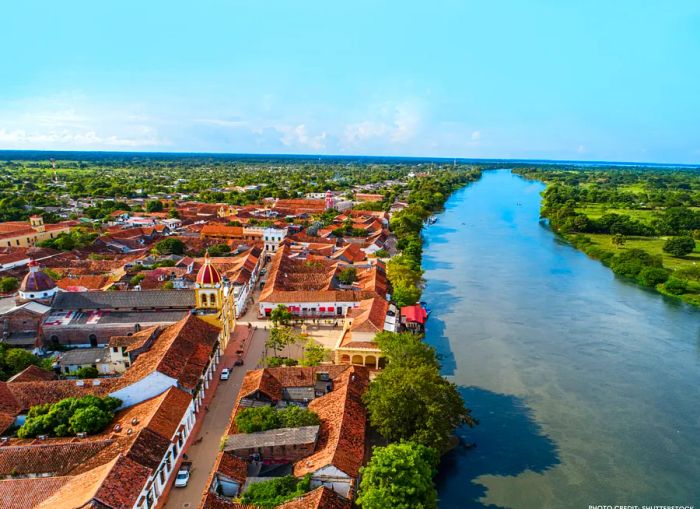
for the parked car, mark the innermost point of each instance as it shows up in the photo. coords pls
(183, 475)
(225, 373)
(239, 362)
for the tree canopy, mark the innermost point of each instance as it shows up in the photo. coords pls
(399, 476)
(69, 416)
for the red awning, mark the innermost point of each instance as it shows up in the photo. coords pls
(330, 308)
(414, 313)
(322, 308)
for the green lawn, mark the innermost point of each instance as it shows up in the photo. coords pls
(652, 245)
(596, 210)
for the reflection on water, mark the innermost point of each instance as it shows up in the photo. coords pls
(586, 386)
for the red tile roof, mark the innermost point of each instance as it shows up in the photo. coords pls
(32, 374)
(181, 351)
(343, 417)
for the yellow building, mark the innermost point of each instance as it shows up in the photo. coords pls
(356, 343)
(216, 300)
(22, 234)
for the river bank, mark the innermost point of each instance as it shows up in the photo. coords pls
(584, 386)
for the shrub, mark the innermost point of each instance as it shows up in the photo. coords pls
(676, 286)
(276, 491)
(8, 284)
(87, 372)
(252, 420)
(652, 276)
(348, 275)
(679, 246)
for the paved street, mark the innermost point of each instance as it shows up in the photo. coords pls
(215, 423)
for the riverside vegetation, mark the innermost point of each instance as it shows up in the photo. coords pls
(641, 222)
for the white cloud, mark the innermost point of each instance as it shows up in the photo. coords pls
(476, 135)
(55, 139)
(298, 137)
(581, 149)
(389, 125)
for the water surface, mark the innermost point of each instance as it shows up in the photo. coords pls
(587, 387)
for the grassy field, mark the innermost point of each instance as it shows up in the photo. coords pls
(596, 210)
(652, 245)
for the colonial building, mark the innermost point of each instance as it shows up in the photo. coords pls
(331, 454)
(21, 234)
(356, 343)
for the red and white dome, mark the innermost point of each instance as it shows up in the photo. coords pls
(208, 275)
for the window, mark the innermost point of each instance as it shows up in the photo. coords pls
(115, 349)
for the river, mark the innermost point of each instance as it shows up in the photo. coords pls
(587, 387)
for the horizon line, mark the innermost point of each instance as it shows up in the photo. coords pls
(360, 156)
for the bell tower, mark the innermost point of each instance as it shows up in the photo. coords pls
(208, 286)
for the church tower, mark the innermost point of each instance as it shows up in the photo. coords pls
(208, 286)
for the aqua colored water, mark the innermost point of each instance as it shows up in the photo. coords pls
(587, 387)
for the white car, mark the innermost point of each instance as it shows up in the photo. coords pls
(183, 475)
(225, 373)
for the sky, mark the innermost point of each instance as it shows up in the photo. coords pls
(535, 79)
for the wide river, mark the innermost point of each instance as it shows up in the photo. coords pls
(587, 388)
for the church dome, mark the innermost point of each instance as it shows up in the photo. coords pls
(36, 281)
(207, 274)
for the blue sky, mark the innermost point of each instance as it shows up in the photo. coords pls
(593, 80)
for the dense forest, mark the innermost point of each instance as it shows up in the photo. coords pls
(642, 222)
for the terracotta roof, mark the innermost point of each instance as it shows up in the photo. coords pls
(221, 230)
(369, 316)
(181, 351)
(115, 485)
(32, 374)
(85, 282)
(28, 394)
(50, 458)
(320, 498)
(343, 417)
(26, 493)
(136, 340)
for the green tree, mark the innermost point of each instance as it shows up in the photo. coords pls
(168, 285)
(296, 417)
(652, 276)
(276, 491)
(679, 246)
(416, 404)
(219, 249)
(90, 419)
(676, 286)
(154, 206)
(252, 420)
(348, 275)
(281, 315)
(87, 372)
(406, 350)
(171, 245)
(17, 359)
(136, 280)
(405, 295)
(314, 354)
(8, 284)
(399, 476)
(618, 240)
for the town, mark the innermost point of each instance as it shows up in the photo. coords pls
(185, 353)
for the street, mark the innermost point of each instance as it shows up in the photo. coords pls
(216, 421)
